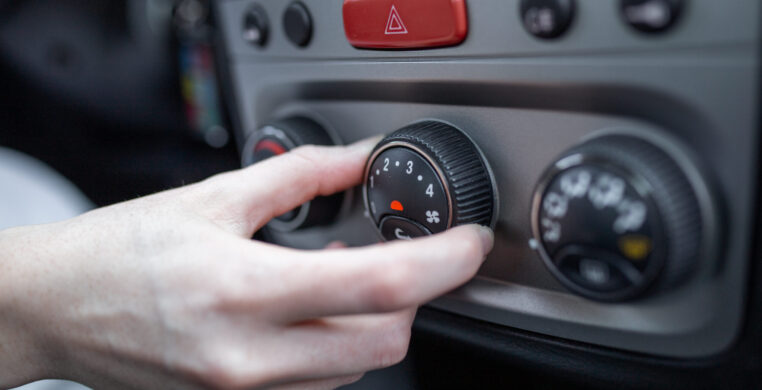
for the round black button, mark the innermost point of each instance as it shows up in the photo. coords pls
(547, 19)
(398, 228)
(651, 16)
(298, 24)
(255, 26)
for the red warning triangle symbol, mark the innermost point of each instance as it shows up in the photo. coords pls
(394, 24)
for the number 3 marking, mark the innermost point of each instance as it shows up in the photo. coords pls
(409, 167)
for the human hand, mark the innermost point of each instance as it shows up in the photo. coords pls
(168, 291)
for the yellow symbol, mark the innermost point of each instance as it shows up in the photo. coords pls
(635, 247)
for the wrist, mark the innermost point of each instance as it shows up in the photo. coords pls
(23, 353)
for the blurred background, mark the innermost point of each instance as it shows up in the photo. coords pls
(118, 96)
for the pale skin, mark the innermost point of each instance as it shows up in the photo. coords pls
(168, 291)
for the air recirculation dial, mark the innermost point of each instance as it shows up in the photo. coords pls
(616, 216)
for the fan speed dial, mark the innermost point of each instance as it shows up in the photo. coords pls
(426, 178)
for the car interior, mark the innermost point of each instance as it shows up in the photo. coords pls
(613, 146)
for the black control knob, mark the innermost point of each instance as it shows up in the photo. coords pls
(256, 26)
(297, 24)
(651, 16)
(615, 216)
(277, 138)
(425, 178)
(547, 19)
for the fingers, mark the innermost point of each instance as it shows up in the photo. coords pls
(248, 198)
(344, 346)
(335, 245)
(313, 353)
(385, 277)
(320, 384)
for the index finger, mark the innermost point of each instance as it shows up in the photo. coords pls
(250, 197)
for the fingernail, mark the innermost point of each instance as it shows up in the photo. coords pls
(335, 245)
(487, 237)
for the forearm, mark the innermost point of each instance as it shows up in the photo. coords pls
(22, 353)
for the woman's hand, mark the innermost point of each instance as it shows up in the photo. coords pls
(168, 291)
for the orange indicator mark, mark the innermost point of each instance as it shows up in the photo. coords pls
(396, 205)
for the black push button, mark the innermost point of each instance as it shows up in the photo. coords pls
(297, 23)
(398, 228)
(651, 16)
(547, 19)
(255, 26)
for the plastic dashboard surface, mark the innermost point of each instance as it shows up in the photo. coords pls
(524, 101)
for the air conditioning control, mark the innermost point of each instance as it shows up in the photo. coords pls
(426, 178)
(277, 138)
(616, 215)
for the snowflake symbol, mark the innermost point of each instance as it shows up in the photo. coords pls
(432, 216)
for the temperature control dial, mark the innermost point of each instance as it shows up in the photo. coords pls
(616, 215)
(277, 138)
(426, 178)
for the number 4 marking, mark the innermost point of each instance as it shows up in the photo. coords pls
(430, 190)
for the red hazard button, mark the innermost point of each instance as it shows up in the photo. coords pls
(405, 24)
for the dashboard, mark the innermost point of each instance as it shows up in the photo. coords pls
(613, 146)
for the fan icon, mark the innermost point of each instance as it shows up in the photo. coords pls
(432, 216)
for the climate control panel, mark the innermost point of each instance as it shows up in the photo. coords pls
(611, 145)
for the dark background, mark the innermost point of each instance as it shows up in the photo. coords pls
(92, 89)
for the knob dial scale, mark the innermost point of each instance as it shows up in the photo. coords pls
(425, 178)
(616, 216)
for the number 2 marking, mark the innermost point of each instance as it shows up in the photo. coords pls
(386, 165)
(430, 190)
(409, 169)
